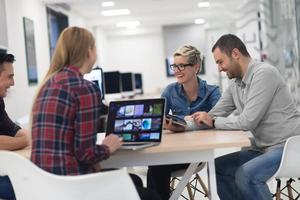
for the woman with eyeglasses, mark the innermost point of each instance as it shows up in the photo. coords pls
(188, 95)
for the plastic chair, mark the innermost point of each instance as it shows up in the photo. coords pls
(32, 183)
(192, 185)
(289, 168)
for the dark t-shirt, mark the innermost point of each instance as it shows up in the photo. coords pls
(7, 127)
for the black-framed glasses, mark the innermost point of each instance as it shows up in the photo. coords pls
(180, 67)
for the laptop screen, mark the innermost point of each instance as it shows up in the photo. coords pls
(136, 120)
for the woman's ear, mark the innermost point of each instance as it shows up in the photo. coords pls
(89, 52)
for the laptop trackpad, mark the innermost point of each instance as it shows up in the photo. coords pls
(136, 146)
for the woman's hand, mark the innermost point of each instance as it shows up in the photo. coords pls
(113, 142)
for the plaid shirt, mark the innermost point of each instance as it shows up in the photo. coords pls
(7, 127)
(64, 125)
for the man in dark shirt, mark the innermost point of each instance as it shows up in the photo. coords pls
(12, 137)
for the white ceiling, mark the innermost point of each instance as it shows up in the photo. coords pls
(157, 13)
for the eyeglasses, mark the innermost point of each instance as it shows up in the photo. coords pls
(180, 67)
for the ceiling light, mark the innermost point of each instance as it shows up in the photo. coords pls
(203, 4)
(129, 24)
(199, 21)
(115, 12)
(107, 4)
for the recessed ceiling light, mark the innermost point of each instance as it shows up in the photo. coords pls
(115, 12)
(129, 24)
(203, 4)
(199, 21)
(107, 4)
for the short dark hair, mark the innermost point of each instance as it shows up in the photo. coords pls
(226, 43)
(4, 57)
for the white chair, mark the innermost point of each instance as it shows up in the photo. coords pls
(289, 166)
(32, 183)
(191, 185)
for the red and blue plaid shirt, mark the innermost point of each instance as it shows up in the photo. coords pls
(64, 125)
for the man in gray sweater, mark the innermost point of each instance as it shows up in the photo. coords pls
(265, 107)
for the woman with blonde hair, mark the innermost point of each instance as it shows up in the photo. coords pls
(185, 97)
(66, 110)
(66, 113)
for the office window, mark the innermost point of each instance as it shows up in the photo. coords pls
(57, 22)
(3, 29)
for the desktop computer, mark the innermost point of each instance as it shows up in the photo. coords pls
(112, 82)
(138, 83)
(96, 76)
(128, 85)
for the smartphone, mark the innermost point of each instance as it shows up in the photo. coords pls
(176, 120)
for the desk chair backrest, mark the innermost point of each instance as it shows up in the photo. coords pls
(290, 162)
(32, 183)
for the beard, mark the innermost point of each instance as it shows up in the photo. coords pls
(234, 70)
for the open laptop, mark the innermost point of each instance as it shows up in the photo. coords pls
(138, 122)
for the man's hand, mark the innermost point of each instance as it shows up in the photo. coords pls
(113, 142)
(26, 135)
(20, 141)
(173, 127)
(203, 117)
(189, 118)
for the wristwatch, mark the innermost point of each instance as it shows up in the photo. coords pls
(213, 123)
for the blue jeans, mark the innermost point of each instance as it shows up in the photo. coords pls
(6, 189)
(243, 175)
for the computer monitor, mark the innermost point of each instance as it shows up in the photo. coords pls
(96, 76)
(112, 81)
(138, 83)
(128, 86)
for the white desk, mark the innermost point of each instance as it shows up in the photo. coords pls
(189, 147)
(175, 148)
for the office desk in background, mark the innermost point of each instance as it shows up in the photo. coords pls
(176, 148)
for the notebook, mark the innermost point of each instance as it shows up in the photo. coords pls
(138, 122)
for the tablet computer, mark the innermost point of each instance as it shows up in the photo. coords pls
(176, 120)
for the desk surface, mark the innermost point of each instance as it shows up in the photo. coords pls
(202, 139)
(194, 140)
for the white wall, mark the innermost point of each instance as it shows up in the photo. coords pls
(19, 100)
(102, 46)
(20, 97)
(177, 35)
(145, 53)
(212, 74)
(138, 53)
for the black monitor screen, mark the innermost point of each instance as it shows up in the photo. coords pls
(112, 82)
(96, 76)
(138, 81)
(127, 82)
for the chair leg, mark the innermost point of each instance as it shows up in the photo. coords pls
(289, 188)
(202, 185)
(278, 191)
(189, 189)
(172, 184)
